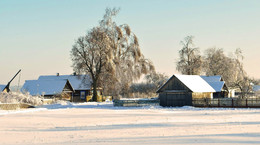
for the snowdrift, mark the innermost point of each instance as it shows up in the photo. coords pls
(18, 97)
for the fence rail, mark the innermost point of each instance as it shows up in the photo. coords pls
(227, 102)
(136, 103)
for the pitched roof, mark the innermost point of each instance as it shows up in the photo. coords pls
(215, 82)
(46, 87)
(78, 82)
(211, 78)
(195, 83)
(256, 88)
(2, 87)
(217, 86)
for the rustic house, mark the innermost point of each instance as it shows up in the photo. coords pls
(81, 85)
(179, 90)
(49, 88)
(217, 83)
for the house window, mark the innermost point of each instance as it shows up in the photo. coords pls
(82, 95)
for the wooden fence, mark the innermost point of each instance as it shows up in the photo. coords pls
(136, 103)
(227, 102)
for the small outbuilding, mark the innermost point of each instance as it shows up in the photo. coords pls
(179, 90)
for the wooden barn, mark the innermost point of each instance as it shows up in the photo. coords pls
(179, 90)
(49, 88)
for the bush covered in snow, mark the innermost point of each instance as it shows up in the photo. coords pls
(18, 97)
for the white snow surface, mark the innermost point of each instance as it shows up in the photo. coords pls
(102, 124)
(195, 83)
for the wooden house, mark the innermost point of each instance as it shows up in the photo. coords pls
(81, 85)
(49, 88)
(179, 90)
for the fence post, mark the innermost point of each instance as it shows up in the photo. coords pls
(232, 103)
(218, 103)
(246, 103)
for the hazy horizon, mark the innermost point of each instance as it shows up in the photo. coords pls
(37, 36)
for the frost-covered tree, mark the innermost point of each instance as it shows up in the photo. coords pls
(127, 62)
(229, 67)
(153, 81)
(111, 54)
(158, 79)
(241, 79)
(190, 61)
(217, 63)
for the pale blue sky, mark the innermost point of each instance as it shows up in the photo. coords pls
(37, 35)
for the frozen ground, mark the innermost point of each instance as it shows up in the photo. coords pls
(103, 124)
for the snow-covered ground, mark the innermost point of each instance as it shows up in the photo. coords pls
(101, 123)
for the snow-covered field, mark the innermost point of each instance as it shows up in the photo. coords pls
(101, 123)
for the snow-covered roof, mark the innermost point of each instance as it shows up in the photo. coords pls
(2, 87)
(195, 83)
(46, 87)
(215, 82)
(211, 78)
(256, 88)
(217, 86)
(78, 82)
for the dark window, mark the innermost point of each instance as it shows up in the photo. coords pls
(82, 95)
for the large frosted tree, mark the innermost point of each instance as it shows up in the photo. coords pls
(114, 53)
(127, 63)
(229, 67)
(190, 60)
(217, 63)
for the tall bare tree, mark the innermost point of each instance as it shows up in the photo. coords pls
(190, 61)
(89, 55)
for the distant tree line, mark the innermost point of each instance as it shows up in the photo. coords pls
(214, 62)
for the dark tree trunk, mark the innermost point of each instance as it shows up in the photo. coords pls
(94, 97)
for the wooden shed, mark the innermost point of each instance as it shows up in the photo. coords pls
(179, 90)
